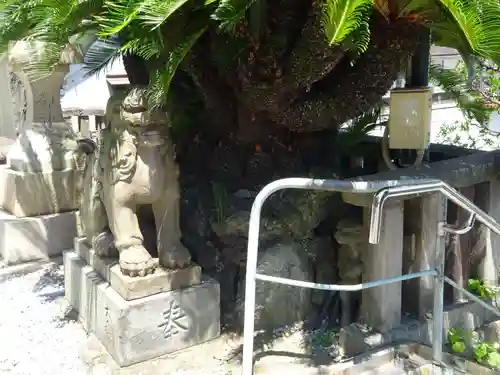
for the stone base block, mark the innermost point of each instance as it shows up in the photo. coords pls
(355, 338)
(30, 194)
(34, 238)
(147, 327)
(130, 288)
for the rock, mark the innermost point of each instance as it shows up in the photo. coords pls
(323, 252)
(291, 215)
(299, 212)
(276, 304)
(351, 237)
(356, 339)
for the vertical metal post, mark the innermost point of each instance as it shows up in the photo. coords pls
(251, 271)
(438, 311)
(418, 74)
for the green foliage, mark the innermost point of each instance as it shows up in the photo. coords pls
(488, 354)
(221, 202)
(483, 352)
(468, 134)
(358, 128)
(483, 290)
(344, 17)
(456, 340)
(162, 32)
(231, 12)
(476, 96)
(455, 82)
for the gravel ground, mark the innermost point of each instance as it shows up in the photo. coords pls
(36, 338)
(39, 337)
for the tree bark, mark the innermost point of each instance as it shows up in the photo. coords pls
(311, 87)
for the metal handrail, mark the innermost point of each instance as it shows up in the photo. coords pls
(429, 186)
(253, 240)
(383, 190)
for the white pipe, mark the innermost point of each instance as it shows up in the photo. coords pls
(344, 288)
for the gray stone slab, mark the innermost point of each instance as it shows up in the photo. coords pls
(27, 194)
(35, 238)
(145, 328)
(80, 284)
(131, 288)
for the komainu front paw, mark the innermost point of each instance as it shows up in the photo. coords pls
(136, 261)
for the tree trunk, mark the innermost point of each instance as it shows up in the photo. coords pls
(271, 112)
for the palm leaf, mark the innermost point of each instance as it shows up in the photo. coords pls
(101, 55)
(479, 23)
(344, 18)
(117, 16)
(155, 12)
(468, 100)
(231, 12)
(158, 92)
(359, 127)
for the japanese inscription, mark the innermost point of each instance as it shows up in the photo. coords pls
(174, 320)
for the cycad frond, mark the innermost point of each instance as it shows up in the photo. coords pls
(479, 23)
(101, 55)
(344, 18)
(177, 51)
(155, 12)
(231, 12)
(360, 127)
(117, 16)
(52, 22)
(468, 100)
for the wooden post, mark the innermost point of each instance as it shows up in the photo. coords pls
(381, 306)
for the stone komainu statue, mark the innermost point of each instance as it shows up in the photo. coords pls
(133, 165)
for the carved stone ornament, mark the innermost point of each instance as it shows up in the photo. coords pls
(45, 141)
(134, 165)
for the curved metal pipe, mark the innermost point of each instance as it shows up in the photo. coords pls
(463, 229)
(431, 186)
(253, 239)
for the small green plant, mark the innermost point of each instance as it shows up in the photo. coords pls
(456, 339)
(487, 353)
(483, 290)
(323, 338)
(220, 201)
(484, 353)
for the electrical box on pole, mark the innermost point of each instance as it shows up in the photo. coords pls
(410, 118)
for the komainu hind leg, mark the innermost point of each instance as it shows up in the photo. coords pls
(171, 252)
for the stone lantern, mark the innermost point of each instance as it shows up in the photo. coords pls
(41, 182)
(45, 141)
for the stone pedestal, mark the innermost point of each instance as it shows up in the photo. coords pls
(32, 238)
(137, 319)
(27, 194)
